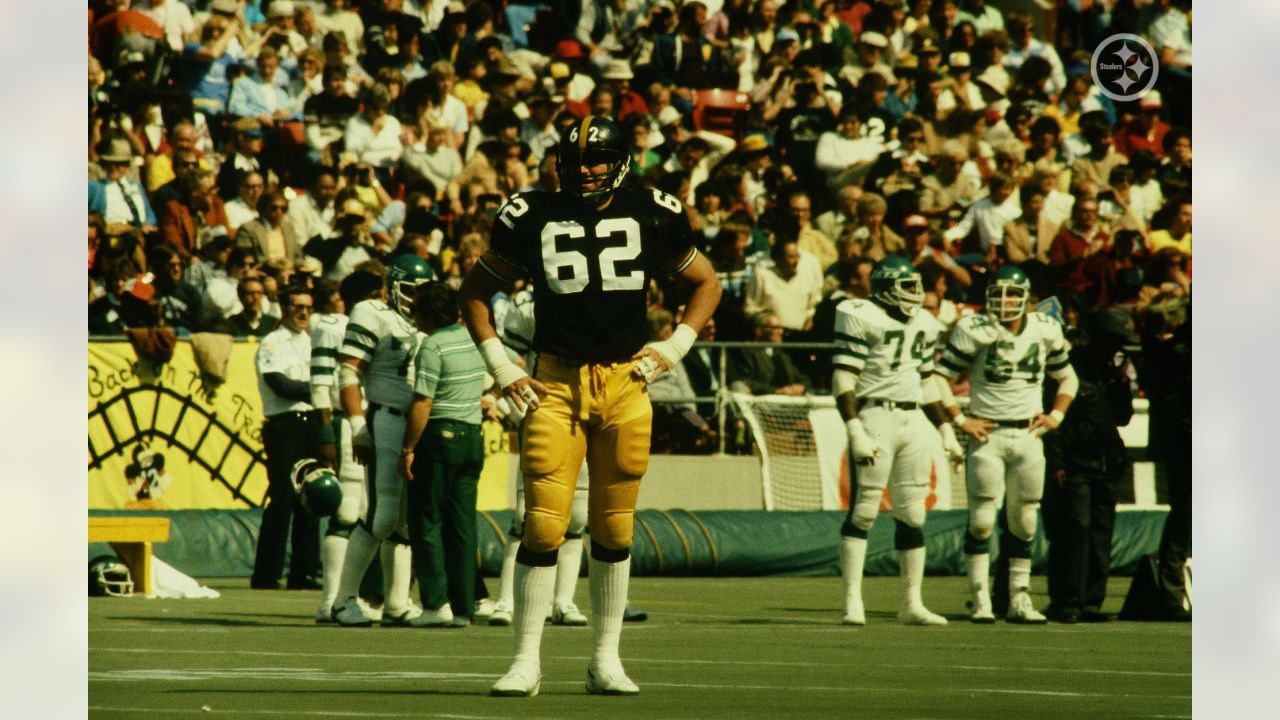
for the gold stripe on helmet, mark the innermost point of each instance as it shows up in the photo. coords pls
(582, 133)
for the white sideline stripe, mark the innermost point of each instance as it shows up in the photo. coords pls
(319, 713)
(318, 675)
(660, 661)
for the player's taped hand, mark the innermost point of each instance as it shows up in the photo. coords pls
(672, 351)
(860, 443)
(950, 444)
(361, 440)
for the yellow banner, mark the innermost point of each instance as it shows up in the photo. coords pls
(161, 438)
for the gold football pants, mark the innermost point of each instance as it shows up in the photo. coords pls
(593, 410)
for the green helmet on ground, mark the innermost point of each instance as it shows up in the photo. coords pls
(1007, 294)
(317, 487)
(405, 273)
(896, 283)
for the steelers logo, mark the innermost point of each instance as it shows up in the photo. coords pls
(1124, 67)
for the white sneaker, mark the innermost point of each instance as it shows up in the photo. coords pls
(501, 614)
(324, 616)
(611, 681)
(373, 612)
(853, 612)
(567, 614)
(403, 618)
(484, 609)
(981, 607)
(522, 680)
(911, 614)
(349, 614)
(439, 617)
(1022, 612)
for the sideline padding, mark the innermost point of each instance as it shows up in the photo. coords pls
(221, 543)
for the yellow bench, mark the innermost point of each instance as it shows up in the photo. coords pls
(131, 537)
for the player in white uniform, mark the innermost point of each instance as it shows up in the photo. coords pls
(376, 365)
(884, 355)
(1006, 353)
(327, 332)
(517, 329)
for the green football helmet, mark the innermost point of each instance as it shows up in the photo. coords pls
(1007, 294)
(896, 283)
(405, 273)
(317, 487)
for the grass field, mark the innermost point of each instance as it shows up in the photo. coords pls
(712, 648)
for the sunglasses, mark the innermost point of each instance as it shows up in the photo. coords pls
(281, 208)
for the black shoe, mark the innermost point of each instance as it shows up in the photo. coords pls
(634, 615)
(1066, 616)
(1173, 614)
(1094, 615)
(306, 583)
(258, 584)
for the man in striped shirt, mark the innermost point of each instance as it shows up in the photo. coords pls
(444, 424)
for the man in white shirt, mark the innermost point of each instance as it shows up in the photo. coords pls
(311, 213)
(697, 156)
(1022, 45)
(435, 160)
(788, 285)
(244, 206)
(174, 18)
(290, 432)
(990, 214)
(846, 152)
(374, 135)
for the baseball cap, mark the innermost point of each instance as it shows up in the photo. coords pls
(1152, 101)
(618, 70)
(787, 35)
(224, 7)
(959, 60)
(915, 221)
(352, 207)
(280, 8)
(568, 49)
(668, 115)
(754, 144)
(874, 39)
(559, 70)
(249, 126)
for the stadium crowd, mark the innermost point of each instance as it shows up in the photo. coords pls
(239, 148)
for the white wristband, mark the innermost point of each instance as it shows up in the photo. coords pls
(674, 348)
(959, 420)
(504, 371)
(1057, 415)
(357, 423)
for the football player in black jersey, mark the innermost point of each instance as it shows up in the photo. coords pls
(589, 251)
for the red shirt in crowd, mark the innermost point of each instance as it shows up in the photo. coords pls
(1132, 137)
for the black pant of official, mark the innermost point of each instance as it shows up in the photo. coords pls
(287, 438)
(442, 514)
(1079, 519)
(1175, 541)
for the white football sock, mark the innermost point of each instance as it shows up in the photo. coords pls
(568, 565)
(533, 589)
(333, 551)
(361, 547)
(911, 564)
(506, 582)
(853, 557)
(400, 577)
(979, 571)
(1019, 574)
(608, 582)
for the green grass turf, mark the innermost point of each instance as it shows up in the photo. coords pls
(712, 648)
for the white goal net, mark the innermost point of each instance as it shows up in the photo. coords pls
(802, 446)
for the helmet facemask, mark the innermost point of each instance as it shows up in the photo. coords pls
(402, 292)
(907, 294)
(573, 179)
(1006, 301)
(111, 578)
